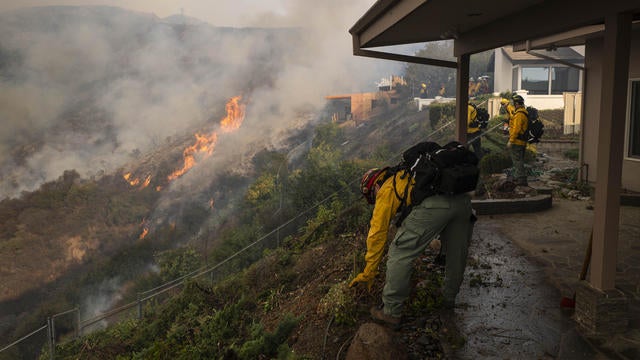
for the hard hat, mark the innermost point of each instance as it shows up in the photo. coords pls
(504, 101)
(518, 99)
(369, 185)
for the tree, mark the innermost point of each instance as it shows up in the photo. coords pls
(441, 80)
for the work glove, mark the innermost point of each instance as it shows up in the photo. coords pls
(508, 144)
(363, 278)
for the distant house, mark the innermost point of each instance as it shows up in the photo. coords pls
(359, 107)
(540, 76)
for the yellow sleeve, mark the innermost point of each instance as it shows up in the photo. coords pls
(387, 204)
(471, 115)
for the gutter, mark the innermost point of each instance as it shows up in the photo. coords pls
(531, 52)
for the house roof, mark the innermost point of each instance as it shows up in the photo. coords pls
(479, 26)
(563, 54)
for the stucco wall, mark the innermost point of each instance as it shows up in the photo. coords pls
(591, 114)
(502, 72)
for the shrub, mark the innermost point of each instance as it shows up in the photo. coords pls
(572, 154)
(339, 303)
(495, 163)
(441, 112)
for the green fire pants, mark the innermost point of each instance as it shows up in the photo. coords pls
(449, 216)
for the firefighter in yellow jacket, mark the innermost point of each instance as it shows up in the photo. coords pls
(516, 142)
(447, 215)
(474, 138)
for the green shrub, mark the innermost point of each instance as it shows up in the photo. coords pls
(268, 344)
(572, 154)
(339, 303)
(441, 113)
(495, 163)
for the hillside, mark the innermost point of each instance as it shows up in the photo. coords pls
(297, 293)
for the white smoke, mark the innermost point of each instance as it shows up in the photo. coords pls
(87, 88)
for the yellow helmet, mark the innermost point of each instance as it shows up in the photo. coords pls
(504, 101)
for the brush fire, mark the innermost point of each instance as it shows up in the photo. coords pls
(203, 146)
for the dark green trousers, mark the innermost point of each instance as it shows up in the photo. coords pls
(449, 216)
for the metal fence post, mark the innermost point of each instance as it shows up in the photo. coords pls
(78, 330)
(51, 336)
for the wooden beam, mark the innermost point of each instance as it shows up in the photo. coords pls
(404, 58)
(613, 106)
(462, 97)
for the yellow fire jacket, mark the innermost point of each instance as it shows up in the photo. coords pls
(471, 117)
(517, 126)
(388, 201)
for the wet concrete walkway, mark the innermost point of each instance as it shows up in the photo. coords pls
(510, 299)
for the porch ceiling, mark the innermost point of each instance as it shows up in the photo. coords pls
(482, 25)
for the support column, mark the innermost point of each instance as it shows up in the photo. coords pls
(615, 76)
(601, 309)
(462, 97)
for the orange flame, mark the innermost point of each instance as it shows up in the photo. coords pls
(235, 115)
(136, 181)
(145, 231)
(205, 144)
(132, 182)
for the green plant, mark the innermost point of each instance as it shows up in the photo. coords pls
(267, 344)
(495, 163)
(572, 154)
(176, 263)
(440, 113)
(339, 303)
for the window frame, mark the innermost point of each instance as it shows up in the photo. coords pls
(631, 109)
(516, 77)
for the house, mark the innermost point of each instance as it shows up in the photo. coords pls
(546, 79)
(359, 107)
(540, 76)
(610, 136)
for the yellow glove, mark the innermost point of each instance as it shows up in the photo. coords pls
(364, 278)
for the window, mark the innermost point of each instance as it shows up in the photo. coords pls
(564, 79)
(536, 80)
(546, 80)
(634, 120)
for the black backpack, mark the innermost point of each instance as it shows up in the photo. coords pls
(482, 117)
(535, 127)
(450, 169)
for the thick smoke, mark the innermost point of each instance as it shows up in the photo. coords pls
(92, 88)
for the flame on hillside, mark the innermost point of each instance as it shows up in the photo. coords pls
(136, 181)
(205, 144)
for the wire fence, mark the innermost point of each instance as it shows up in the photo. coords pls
(83, 326)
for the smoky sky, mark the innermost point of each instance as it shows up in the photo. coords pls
(90, 88)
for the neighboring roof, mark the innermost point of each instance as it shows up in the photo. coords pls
(564, 54)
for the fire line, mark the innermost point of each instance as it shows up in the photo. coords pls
(205, 144)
